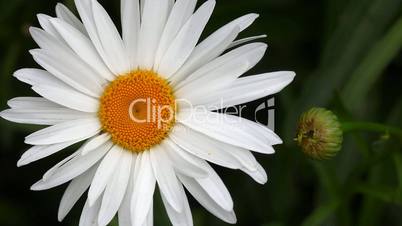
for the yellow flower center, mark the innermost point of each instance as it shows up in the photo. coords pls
(137, 109)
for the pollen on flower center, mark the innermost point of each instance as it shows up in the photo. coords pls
(137, 109)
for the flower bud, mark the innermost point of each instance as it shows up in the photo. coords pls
(319, 133)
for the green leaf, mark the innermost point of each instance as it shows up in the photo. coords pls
(362, 24)
(382, 192)
(327, 178)
(368, 71)
(398, 166)
(321, 213)
(330, 183)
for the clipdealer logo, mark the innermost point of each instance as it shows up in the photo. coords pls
(263, 113)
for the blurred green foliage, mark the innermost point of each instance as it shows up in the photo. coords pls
(347, 54)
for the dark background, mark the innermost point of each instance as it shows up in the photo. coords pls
(347, 57)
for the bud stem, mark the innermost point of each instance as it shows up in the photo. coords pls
(371, 126)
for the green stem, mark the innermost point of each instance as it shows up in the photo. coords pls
(373, 127)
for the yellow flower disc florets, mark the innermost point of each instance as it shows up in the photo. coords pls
(137, 109)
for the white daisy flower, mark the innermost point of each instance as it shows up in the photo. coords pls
(119, 94)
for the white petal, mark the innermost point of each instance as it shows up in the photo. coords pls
(66, 15)
(84, 8)
(184, 162)
(166, 177)
(150, 217)
(36, 153)
(216, 189)
(41, 79)
(33, 76)
(89, 214)
(215, 151)
(170, 4)
(260, 176)
(144, 187)
(110, 39)
(247, 89)
(94, 143)
(203, 147)
(213, 46)
(185, 41)
(67, 131)
(71, 169)
(201, 55)
(54, 47)
(130, 22)
(179, 15)
(245, 40)
(142, 3)
(74, 191)
(47, 41)
(116, 189)
(83, 47)
(231, 129)
(246, 52)
(68, 98)
(44, 21)
(124, 214)
(206, 201)
(71, 70)
(104, 173)
(56, 167)
(183, 218)
(45, 116)
(220, 72)
(31, 103)
(152, 25)
(243, 156)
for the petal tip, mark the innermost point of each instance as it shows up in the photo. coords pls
(59, 5)
(3, 114)
(233, 218)
(60, 216)
(34, 52)
(37, 186)
(33, 30)
(21, 162)
(42, 16)
(291, 74)
(254, 16)
(18, 73)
